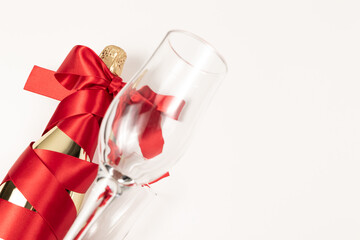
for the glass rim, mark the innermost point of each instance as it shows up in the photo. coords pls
(202, 41)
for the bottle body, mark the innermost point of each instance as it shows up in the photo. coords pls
(57, 141)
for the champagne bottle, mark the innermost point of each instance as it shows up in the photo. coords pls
(56, 140)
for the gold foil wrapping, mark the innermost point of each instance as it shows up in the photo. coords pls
(56, 140)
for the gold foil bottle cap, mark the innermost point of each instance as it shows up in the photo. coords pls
(114, 58)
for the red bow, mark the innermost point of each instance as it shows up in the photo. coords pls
(151, 107)
(86, 87)
(79, 114)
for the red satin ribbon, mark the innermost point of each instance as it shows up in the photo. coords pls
(152, 107)
(42, 176)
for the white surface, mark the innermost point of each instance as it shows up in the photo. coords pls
(278, 155)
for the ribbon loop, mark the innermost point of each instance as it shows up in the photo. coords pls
(73, 173)
(32, 178)
(29, 226)
(83, 69)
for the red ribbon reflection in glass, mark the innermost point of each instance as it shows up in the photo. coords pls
(155, 106)
(104, 197)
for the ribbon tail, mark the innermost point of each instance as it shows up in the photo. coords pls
(42, 81)
(167, 174)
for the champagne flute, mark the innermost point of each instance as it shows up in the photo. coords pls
(148, 125)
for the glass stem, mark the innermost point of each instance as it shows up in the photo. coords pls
(103, 192)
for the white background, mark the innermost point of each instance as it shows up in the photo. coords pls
(277, 155)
